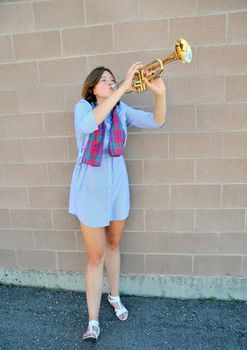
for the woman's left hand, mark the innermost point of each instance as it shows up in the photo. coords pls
(157, 86)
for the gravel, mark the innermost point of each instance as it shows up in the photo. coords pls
(32, 318)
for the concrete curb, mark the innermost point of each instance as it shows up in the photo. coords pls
(181, 287)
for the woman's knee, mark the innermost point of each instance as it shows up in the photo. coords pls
(113, 244)
(114, 233)
(95, 259)
(94, 239)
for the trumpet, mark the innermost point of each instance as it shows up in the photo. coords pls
(155, 69)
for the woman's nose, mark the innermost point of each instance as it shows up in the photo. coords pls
(113, 85)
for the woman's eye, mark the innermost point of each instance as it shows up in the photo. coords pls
(106, 81)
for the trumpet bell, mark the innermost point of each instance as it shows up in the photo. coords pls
(183, 51)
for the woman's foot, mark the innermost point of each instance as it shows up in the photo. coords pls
(93, 331)
(120, 311)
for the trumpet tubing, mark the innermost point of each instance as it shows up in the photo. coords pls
(155, 69)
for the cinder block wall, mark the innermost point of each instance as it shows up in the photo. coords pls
(188, 181)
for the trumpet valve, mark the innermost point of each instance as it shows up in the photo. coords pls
(150, 72)
(138, 83)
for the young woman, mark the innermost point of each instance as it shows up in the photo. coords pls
(99, 193)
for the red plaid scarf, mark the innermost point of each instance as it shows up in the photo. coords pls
(95, 145)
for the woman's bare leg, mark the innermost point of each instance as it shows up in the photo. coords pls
(112, 257)
(94, 239)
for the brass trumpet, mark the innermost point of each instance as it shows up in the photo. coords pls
(155, 69)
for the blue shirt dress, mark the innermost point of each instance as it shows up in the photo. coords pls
(101, 194)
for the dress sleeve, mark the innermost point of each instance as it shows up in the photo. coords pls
(140, 118)
(85, 122)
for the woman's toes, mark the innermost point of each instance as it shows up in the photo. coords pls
(123, 316)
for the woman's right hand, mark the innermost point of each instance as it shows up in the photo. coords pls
(127, 83)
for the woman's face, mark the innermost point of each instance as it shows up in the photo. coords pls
(105, 87)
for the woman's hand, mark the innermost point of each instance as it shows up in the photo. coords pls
(127, 83)
(157, 86)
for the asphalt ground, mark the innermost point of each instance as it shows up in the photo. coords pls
(36, 319)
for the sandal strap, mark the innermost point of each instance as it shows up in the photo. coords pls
(93, 328)
(122, 309)
(93, 323)
(115, 299)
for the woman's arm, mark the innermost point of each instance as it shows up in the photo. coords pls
(101, 111)
(158, 87)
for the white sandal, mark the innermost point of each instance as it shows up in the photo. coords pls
(93, 331)
(118, 307)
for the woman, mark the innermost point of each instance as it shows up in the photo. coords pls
(99, 193)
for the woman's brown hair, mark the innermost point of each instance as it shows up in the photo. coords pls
(91, 80)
